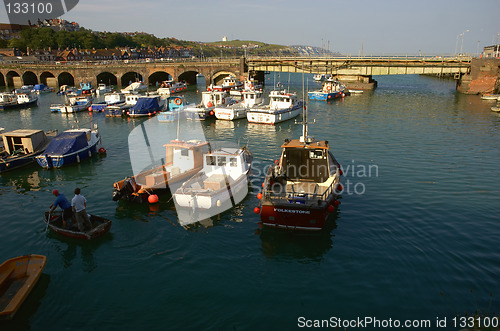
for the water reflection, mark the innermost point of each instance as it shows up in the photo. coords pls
(87, 248)
(301, 246)
(21, 320)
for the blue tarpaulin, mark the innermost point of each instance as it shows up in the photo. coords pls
(40, 87)
(67, 143)
(146, 105)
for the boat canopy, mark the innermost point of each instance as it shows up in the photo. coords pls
(146, 104)
(67, 143)
(40, 87)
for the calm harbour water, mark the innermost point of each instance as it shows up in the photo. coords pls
(416, 235)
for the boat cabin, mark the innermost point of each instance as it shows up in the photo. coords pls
(185, 155)
(25, 98)
(175, 103)
(230, 81)
(6, 98)
(282, 99)
(213, 98)
(114, 98)
(131, 99)
(252, 98)
(310, 161)
(23, 141)
(228, 160)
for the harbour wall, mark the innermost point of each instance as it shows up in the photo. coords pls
(484, 77)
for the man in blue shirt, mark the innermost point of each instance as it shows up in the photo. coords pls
(62, 202)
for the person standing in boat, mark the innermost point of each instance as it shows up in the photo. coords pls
(79, 204)
(62, 202)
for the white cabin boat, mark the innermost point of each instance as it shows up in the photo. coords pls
(135, 87)
(103, 89)
(75, 104)
(219, 186)
(205, 109)
(251, 99)
(282, 106)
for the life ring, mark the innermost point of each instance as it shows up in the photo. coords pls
(177, 101)
(328, 88)
(223, 101)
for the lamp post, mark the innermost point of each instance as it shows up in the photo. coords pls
(462, 46)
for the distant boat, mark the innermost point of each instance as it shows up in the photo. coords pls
(69, 147)
(18, 277)
(490, 96)
(120, 109)
(17, 100)
(103, 89)
(22, 146)
(110, 99)
(209, 100)
(135, 87)
(145, 106)
(330, 90)
(100, 226)
(282, 106)
(75, 104)
(86, 88)
(168, 88)
(229, 83)
(42, 88)
(251, 99)
(174, 107)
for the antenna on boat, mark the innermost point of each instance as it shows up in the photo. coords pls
(305, 138)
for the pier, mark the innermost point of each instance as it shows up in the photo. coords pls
(355, 72)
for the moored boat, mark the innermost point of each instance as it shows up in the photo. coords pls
(18, 276)
(135, 87)
(100, 226)
(183, 160)
(42, 88)
(490, 96)
(229, 83)
(17, 100)
(103, 89)
(219, 186)
(300, 190)
(69, 147)
(22, 146)
(145, 106)
(75, 104)
(251, 99)
(330, 90)
(205, 109)
(174, 107)
(282, 106)
(110, 99)
(168, 88)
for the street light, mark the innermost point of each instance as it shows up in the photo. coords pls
(462, 46)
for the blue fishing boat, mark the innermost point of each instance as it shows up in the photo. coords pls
(145, 106)
(86, 88)
(42, 88)
(71, 146)
(330, 90)
(20, 147)
(174, 109)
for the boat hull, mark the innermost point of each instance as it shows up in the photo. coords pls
(100, 226)
(229, 114)
(294, 216)
(18, 277)
(324, 96)
(18, 105)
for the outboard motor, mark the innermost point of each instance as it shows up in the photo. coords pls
(125, 192)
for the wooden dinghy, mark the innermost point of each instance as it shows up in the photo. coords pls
(18, 276)
(100, 226)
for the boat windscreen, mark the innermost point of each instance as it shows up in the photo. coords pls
(306, 164)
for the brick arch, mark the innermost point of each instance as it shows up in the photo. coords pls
(217, 77)
(65, 78)
(107, 78)
(157, 77)
(2, 79)
(44, 76)
(131, 76)
(29, 78)
(188, 76)
(11, 76)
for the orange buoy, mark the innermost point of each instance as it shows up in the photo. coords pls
(263, 184)
(259, 195)
(331, 209)
(341, 172)
(256, 210)
(153, 198)
(102, 150)
(209, 104)
(212, 113)
(336, 203)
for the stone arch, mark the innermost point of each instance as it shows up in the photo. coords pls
(157, 77)
(189, 77)
(107, 78)
(129, 77)
(30, 78)
(2, 79)
(13, 79)
(48, 78)
(219, 76)
(65, 78)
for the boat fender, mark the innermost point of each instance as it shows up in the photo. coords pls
(177, 101)
(331, 209)
(223, 101)
(102, 150)
(256, 210)
(259, 195)
(77, 158)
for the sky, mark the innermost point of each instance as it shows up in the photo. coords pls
(352, 27)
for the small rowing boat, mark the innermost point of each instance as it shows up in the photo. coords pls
(18, 276)
(100, 226)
